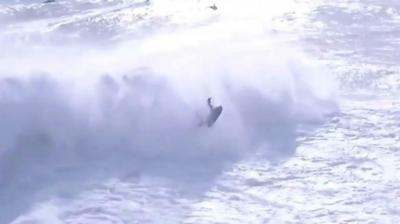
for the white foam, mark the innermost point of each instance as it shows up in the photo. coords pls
(72, 114)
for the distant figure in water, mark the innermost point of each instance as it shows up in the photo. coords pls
(213, 7)
(49, 1)
(214, 114)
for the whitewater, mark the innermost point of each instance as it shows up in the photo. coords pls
(100, 102)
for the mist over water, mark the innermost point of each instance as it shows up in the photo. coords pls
(75, 115)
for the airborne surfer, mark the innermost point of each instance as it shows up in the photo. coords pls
(209, 103)
(212, 117)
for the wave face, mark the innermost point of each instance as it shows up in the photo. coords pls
(78, 113)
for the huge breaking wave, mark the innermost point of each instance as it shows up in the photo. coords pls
(75, 116)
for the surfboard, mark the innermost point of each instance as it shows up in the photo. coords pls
(214, 115)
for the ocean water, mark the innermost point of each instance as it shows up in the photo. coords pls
(100, 102)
